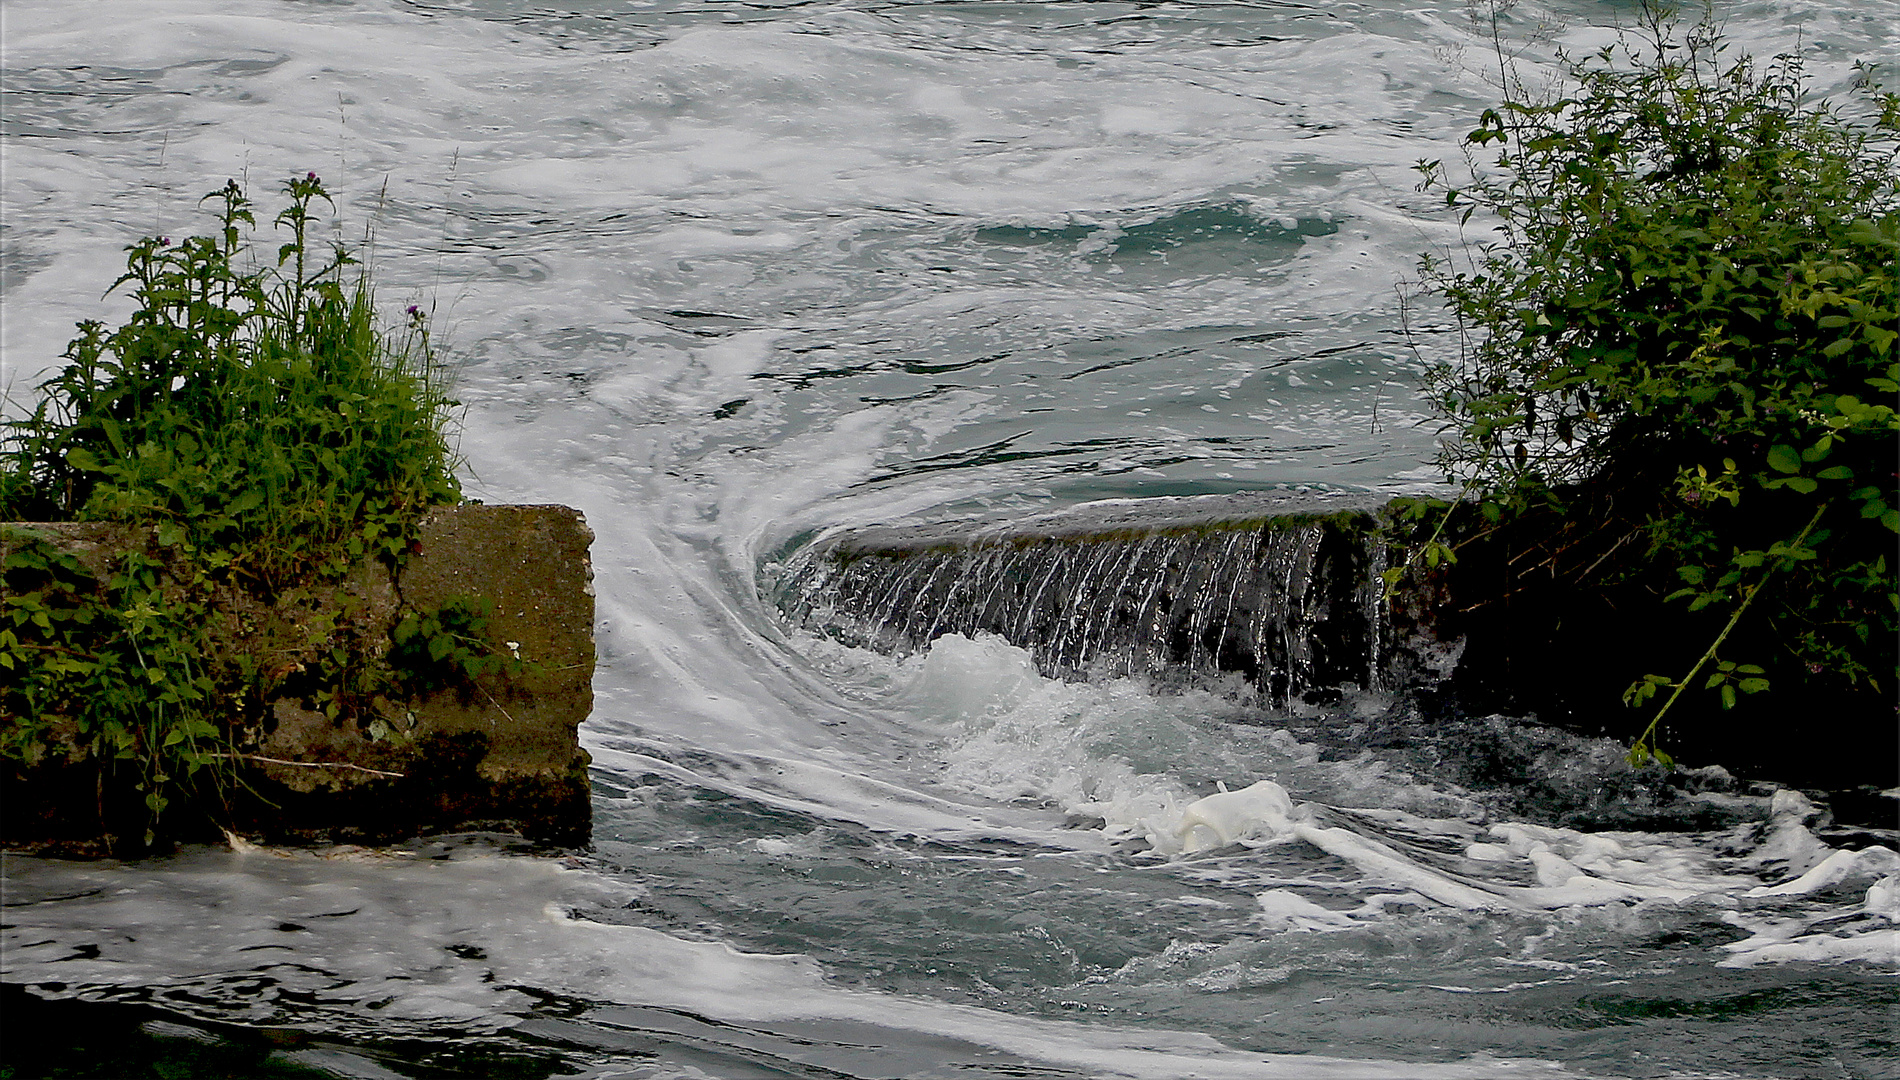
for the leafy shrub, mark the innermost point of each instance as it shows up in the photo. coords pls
(260, 414)
(1682, 337)
(268, 434)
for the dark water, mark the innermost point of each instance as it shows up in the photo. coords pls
(730, 276)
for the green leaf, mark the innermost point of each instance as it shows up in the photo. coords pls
(1783, 458)
(1838, 472)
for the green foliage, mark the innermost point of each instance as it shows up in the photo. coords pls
(120, 666)
(1410, 516)
(269, 435)
(1689, 312)
(449, 646)
(259, 415)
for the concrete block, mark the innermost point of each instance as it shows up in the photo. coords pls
(499, 752)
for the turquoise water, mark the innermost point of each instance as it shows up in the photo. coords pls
(728, 276)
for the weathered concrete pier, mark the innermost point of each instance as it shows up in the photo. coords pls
(498, 751)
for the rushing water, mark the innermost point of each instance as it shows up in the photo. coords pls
(1292, 607)
(730, 275)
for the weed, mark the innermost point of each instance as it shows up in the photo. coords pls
(267, 435)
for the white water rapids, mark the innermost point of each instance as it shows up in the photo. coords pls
(728, 275)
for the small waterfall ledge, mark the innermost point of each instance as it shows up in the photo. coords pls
(1283, 590)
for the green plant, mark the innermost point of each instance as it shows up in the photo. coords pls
(449, 646)
(265, 433)
(111, 662)
(1684, 328)
(118, 664)
(259, 415)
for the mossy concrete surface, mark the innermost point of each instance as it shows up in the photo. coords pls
(1114, 519)
(496, 752)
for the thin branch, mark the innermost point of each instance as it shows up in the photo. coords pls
(496, 704)
(1643, 739)
(1626, 537)
(314, 764)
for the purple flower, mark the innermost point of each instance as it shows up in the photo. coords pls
(310, 176)
(414, 311)
(164, 241)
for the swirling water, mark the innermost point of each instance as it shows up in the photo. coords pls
(729, 275)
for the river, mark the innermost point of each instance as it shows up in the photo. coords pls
(729, 276)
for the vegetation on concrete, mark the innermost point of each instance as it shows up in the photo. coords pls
(1679, 347)
(267, 434)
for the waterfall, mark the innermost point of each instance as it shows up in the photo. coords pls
(1290, 601)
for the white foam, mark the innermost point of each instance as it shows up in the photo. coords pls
(1116, 750)
(1839, 936)
(964, 678)
(1262, 809)
(1281, 909)
(1838, 866)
